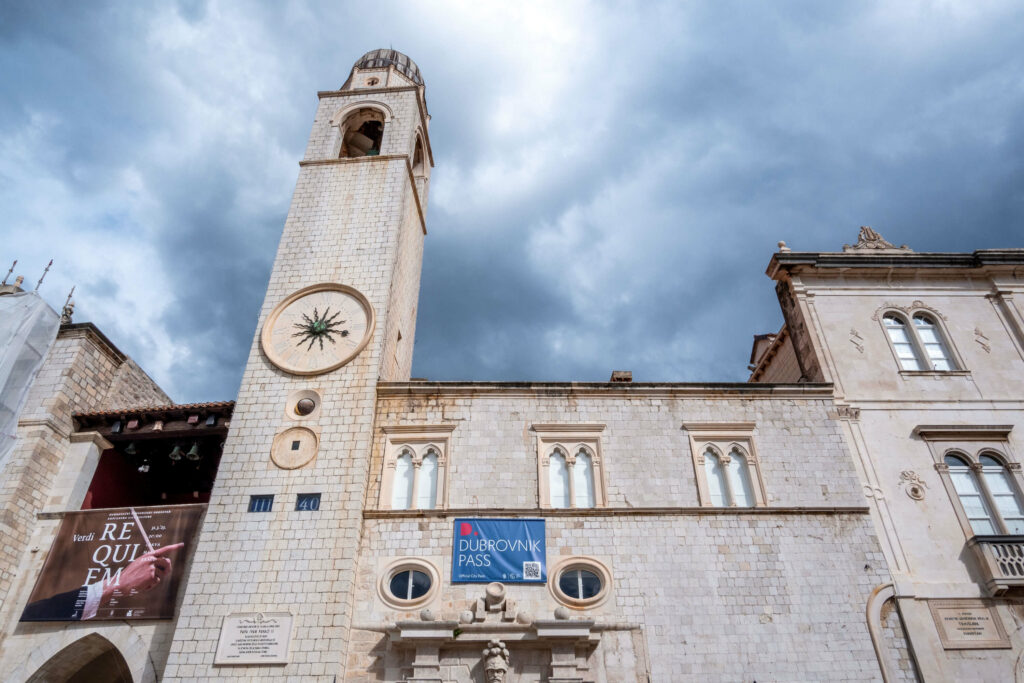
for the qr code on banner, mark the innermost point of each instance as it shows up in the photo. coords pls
(531, 571)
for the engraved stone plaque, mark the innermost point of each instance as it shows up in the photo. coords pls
(968, 624)
(255, 638)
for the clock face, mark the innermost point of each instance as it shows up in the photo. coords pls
(317, 329)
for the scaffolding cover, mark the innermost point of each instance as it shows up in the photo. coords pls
(28, 327)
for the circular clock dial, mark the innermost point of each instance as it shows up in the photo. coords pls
(317, 329)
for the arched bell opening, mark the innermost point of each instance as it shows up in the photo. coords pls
(88, 659)
(362, 133)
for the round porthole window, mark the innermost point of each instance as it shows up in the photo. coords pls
(580, 582)
(408, 582)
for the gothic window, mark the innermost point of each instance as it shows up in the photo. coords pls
(404, 480)
(559, 479)
(980, 475)
(569, 466)
(902, 342)
(931, 339)
(919, 343)
(727, 469)
(362, 133)
(415, 467)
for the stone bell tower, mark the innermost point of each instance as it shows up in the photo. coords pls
(280, 537)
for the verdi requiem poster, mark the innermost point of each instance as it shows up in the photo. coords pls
(115, 563)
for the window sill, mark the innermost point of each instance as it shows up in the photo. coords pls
(937, 374)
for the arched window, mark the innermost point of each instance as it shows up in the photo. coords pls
(362, 133)
(717, 488)
(1004, 496)
(902, 342)
(558, 480)
(931, 339)
(739, 480)
(401, 492)
(426, 486)
(971, 498)
(583, 480)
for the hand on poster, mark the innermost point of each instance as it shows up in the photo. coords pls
(143, 573)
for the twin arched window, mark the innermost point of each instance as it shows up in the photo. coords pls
(571, 479)
(728, 478)
(991, 501)
(919, 345)
(415, 481)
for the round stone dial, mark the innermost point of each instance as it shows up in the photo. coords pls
(317, 329)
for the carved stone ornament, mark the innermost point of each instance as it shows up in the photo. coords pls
(982, 340)
(495, 661)
(67, 312)
(857, 340)
(869, 240)
(914, 306)
(915, 486)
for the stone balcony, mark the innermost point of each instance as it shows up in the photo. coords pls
(1001, 561)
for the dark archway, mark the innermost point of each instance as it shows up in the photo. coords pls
(89, 659)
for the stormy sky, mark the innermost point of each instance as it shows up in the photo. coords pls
(611, 179)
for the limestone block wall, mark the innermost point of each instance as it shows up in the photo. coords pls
(646, 453)
(720, 594)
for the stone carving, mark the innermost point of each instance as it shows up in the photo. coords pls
(982, 340)
(869, 239)
(915, 486)
(847, 412)
(67, 312)
(909, 310)
(857, 340)
(495, 661)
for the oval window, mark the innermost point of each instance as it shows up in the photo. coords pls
(579, 584)
(409, 584)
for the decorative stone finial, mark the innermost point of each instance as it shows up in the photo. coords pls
(427, 615)
(869, 239)
(783, 248)
(496, 661)
(495, 594)
(18, 280)
(561, 613)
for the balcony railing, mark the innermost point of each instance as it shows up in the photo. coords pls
(1001, 559)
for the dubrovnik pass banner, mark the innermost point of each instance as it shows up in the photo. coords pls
(115, 563)
(506, 550)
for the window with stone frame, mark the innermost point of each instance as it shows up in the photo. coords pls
(569, 471)
(918, 340)
(415, 467)
(725, 464)
(981, 477)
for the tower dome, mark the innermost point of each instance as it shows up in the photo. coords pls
(382, 59)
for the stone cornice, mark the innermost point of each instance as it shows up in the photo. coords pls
(618, 512)
(807, 390)
(963, 432)
(47, 422)
(983, 258)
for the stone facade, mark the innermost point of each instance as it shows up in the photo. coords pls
(726, 531)
(901, 423)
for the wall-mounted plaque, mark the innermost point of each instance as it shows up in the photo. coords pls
(255, 638)
(968, 624)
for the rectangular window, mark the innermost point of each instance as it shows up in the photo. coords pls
(261, 503)
(307, 501)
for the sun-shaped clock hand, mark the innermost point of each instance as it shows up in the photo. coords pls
(319, 327)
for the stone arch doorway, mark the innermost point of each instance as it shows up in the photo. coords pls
(91, 658)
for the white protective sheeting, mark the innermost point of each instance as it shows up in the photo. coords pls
(28, 327)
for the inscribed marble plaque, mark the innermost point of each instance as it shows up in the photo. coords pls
(968, 624)
(255, 638)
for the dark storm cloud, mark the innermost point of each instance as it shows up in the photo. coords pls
(610, 180)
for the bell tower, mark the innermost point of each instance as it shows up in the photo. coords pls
(281, 533)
